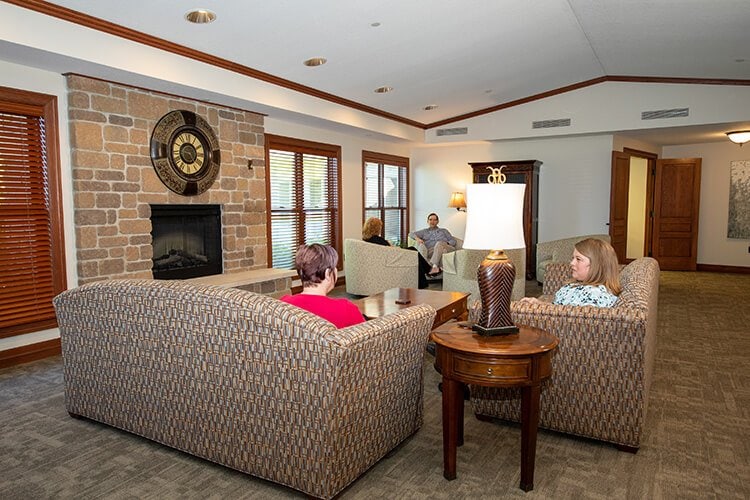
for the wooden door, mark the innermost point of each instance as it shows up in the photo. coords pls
(676, 204)
(618, 203)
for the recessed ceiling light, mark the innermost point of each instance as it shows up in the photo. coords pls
(740, 60)
(488, 91)
(200, 16)
(375, 24)
(430, 107)
(383, 90)
(315, 61)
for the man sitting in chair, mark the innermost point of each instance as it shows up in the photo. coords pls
(433, 242)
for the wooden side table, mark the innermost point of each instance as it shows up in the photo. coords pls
(516, 360)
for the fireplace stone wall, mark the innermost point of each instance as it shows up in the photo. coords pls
(114, 181)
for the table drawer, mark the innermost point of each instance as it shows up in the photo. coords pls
(451, 312)
(508, 370)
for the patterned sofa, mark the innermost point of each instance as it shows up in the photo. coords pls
(559, 251)
(601, 371)
(460, 271)
(242, 379)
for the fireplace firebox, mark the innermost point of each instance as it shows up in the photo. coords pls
(186, 241)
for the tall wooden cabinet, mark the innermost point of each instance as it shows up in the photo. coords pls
(519, 172)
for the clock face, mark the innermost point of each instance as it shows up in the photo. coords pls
(188, 153)
(185, 153)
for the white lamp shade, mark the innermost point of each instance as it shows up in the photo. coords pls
(494, 216)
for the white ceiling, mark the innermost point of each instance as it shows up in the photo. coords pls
(462, 55)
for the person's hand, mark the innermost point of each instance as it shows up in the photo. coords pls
(530, 300)
(420, 240)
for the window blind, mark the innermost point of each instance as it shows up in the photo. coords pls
(303, 197)
(385, 194)
(30, 275)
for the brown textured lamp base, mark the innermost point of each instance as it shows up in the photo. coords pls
(495, 276)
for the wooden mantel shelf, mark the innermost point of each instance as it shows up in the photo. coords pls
(235, 280)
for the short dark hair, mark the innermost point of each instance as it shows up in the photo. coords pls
(312, 262)
(433, 213)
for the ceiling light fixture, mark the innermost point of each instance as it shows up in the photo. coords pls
(430, 107)
(383, 90)
(200, 16)
(739, 136)
(315, 61)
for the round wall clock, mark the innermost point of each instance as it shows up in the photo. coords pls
(185, 153)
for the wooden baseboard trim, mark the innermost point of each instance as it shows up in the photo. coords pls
(31, 352)
(713, 268)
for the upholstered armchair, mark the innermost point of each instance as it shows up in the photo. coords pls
(371, 269)
(460, 271)
(559, 251)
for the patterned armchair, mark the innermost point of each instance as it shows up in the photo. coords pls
(242, 379)
(558, 251)
(460, 271)
(601, 370)
(371, 269)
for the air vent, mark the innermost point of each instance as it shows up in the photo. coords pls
(452, 131)
(560, 122)
(665, 113)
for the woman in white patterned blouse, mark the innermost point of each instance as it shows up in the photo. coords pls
(595, 272)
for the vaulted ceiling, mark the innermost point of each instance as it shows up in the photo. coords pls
(460, 56)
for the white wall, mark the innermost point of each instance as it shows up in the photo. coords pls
(44, 82)
(574, 181)
(605, 108)
(713, 245)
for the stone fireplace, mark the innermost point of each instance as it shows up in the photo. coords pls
(115, 185)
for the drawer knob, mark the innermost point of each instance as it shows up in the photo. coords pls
(489, 371)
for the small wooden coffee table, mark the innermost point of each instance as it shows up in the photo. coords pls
(449, 305)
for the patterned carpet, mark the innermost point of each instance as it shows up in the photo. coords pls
(696, 439)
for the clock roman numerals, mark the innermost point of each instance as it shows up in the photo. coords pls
(188, 153)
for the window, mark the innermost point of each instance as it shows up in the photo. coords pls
(31, 230)
(303, 195)
(386, 188)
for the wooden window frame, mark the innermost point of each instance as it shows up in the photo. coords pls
(383, 159)
(291, 144)
(26, 103)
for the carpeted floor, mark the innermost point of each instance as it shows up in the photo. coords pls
(696, 441)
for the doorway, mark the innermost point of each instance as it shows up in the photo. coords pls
(654, 208)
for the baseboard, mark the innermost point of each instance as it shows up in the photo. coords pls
(31, 352)
(714, 268)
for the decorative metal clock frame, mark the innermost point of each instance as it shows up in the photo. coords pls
(185, 152)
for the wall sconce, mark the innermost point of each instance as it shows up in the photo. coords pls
(739, 136)
(457, 201)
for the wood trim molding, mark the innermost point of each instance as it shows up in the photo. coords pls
(31, 352)
(718, 268)
(135, 36)
(85, 20)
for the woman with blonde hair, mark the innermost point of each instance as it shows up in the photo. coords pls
(372, 230)
(596, 276)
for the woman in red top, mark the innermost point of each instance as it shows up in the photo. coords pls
(316, 266)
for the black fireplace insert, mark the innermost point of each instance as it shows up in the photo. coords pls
(186, 241)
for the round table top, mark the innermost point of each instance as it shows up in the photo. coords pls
(527, 341)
